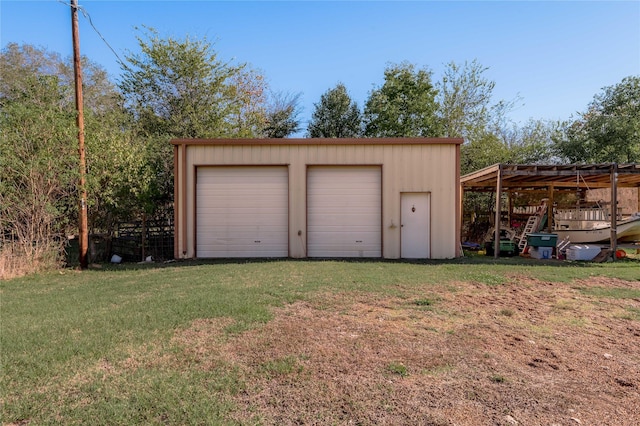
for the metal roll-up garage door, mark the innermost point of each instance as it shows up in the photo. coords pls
(242, 212)
(344, 211)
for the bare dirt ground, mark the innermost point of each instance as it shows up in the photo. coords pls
(527, 353)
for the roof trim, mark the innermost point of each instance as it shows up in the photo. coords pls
(321, 141)
(528, 176)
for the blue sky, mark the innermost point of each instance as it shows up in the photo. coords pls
(555, 55)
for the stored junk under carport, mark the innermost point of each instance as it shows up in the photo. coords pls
(514, 178)
(378, 198)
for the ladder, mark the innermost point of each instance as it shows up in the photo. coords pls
(532, 225)
(563, 244)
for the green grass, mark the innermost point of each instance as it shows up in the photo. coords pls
(398, 369)
(632, 314)
(282, 366)
(497, 378)
(424, 302)
(63, 335)
(612, 293)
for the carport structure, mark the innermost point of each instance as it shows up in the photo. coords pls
(551, 179)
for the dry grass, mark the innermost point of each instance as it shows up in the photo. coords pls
(17, 260)
(324, 343)
(13, 263)
(525, 353)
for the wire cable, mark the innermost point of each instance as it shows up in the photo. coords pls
(88, 18)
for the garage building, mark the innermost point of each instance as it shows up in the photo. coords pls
(319, 198)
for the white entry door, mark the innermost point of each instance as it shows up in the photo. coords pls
(415, 211)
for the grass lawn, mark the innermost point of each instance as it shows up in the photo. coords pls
(135, 344)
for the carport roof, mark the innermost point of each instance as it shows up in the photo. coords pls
(522, 177)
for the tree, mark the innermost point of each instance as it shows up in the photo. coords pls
(527, 144)
(117, 172)
(38, 166)
(466, 105)
(467, 110)
(178, 88)
(482, 152)
(464, 98)
(252, 98)
(609, 131)
(404, 106)
(38, 150)
(281, 116)
(531, 143)
(336, 116)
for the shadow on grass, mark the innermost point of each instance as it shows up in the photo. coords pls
(468, 259)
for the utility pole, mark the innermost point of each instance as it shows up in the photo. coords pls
(83, 239)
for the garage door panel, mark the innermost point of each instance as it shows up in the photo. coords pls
(213, 234)
(249, 220)
(344, 211)
(235, 247)
(242, 212)
(336, 242)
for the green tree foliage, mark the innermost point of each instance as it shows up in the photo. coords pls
(404, 106)
(281, 116)
(37, 161)
(39, 149)
(531, 143)
(252, 102)
(336, 116)
(483, 152)
(178, 88)
(464, 98)
(117, 173)
(609, 131)
(468, 110)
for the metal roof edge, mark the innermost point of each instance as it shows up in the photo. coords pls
(319, 141)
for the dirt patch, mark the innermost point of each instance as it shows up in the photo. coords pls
(525, 353)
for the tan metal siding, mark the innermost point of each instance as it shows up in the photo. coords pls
(411, 167)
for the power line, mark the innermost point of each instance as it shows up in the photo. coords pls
(88, 17)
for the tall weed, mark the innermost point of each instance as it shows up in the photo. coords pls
(18, 259)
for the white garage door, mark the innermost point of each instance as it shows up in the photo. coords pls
(241, 212)
(344, 211)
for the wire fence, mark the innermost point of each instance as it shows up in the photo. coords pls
(131, 242)
(136, 241)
